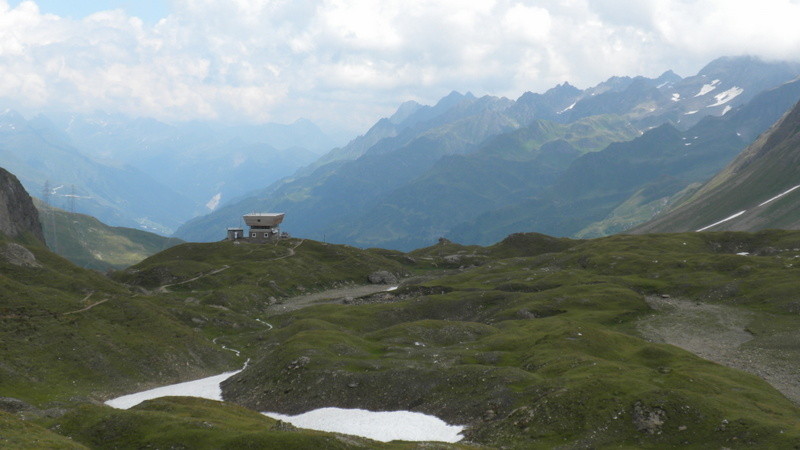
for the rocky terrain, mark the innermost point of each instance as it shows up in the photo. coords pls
(18, 216)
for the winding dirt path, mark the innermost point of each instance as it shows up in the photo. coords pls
(718, 333)
(86, 308)
(327, 296)
(291, 251)
(163, 289)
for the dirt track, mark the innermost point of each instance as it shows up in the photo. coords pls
(329, 296)
(718, 333)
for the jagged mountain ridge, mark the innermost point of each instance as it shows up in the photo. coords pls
(629, 182)
(326, 199)
(758, 190)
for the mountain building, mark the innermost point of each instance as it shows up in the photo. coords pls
(264, 227)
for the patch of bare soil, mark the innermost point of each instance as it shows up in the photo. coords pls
(719, 333)
(329, 296)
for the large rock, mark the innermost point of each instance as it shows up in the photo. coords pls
(13, 405)
(382, 277)
(18, 255)
(18, 216)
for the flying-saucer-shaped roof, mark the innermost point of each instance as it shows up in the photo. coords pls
(263, 219)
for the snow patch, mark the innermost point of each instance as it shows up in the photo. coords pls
(779, 195)
(214, 202)
(726, 96)
(203, 388)
(381, 426)
(690, 112)
(726, 110)
(707, 88)
(723, 220)
(676, 97)
(743, 253)
(568, 108)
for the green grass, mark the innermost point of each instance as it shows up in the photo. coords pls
(542, 333)
(180, 422)
(89, 243)
(18, 434)
(531, 342)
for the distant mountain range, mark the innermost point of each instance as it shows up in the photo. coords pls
(758, 190)
(567, 162)
(145, 174)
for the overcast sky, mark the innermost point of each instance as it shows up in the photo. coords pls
(345, 64)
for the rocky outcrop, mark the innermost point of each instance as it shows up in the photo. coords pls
(382, 277)
(18, 216)
(18, 255)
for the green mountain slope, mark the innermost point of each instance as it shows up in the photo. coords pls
(502, 171)
(757, 187)
(633, 180)
(68, 331)
(92, 244)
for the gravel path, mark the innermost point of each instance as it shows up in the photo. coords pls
(329, 296)
(718, 333)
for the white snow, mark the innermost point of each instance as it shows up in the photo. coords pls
(391, 288)
(688, 143)
(662, 85)
(265, 323)
(722, 221)
(676, 97)
(568, 108)
(226, 348)
(743, 253)
(779, 195)
(707, 88)
(690, 112)
(214, 202)
(381, 426)
(203, 388)
(726, 96)
(726, 109)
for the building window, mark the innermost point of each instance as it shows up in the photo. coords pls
(252, 235)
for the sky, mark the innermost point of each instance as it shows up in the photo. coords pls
(345, 64)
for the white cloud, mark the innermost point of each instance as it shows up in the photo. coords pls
(346, 63)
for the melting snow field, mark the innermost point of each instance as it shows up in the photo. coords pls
(726, 96)
(203, 388)
(723, 220)
(568, 108)
(779, 195)
(707, 88)
(381, 426)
